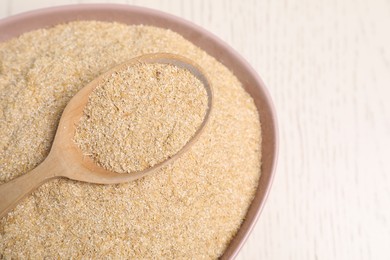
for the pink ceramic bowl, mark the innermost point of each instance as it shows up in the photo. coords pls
(18, 24)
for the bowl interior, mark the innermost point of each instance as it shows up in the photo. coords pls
(18, 24)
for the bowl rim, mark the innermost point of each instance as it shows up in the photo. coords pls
(17, 24)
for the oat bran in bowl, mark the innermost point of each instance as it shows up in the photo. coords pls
(202, 206)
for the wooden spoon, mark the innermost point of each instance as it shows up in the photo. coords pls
(66, 159)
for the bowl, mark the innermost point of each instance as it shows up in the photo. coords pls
(15, 25)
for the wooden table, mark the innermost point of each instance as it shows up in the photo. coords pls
(327, 66)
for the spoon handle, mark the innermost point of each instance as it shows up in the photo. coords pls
(14, 191)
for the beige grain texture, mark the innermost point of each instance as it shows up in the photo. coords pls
(326, 64)
(140, 116)
(191, 208)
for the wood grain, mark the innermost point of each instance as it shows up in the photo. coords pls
(327, 65)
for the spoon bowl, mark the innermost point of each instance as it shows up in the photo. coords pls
(66, 158)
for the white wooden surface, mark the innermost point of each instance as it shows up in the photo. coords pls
(327, 66)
